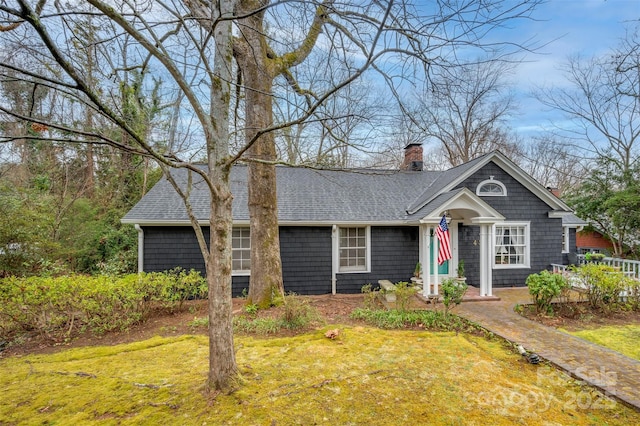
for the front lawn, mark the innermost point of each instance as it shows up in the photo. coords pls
(623, 339)
(363, 376)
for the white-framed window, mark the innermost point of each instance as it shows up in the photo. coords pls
(511, 245)
(354, 249)
(491, 188)
(565, 239)
(241, 251)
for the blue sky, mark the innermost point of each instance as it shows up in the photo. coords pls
(586, 27)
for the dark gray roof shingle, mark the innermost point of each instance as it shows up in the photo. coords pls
(304, 195)
(329, 196)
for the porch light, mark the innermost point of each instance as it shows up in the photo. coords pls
(447, 216)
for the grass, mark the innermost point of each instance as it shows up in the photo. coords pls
(623, 339)
(365, 376)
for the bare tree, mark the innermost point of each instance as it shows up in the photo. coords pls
(157, 31)
(344, 128)
(379, 35)
(465, 110)
(601, 104)
(554, 163)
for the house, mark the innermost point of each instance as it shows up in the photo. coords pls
(592, 240)
(340, 230)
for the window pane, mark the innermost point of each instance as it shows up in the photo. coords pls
(241, 249)
(353, 249)
(510, 247)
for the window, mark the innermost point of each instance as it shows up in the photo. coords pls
(241, 250)
(511, 246)
(565, 239)
(491, 188)
(354, 249)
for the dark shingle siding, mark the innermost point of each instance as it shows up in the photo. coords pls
(169, 247)
(469, 252)
(521, 205)
(306, 256)
(306, 259)
(394, 255)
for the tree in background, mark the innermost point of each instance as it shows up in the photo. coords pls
(465, 108)
(602, 104)
(554, 163)
(611, 201)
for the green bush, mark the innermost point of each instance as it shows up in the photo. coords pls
(604, 285)
(394, 318)
(633, 293)
(371, 297)
(57, 306)
(452, 293)
(543, 287)
(404, 293)
(297, 312)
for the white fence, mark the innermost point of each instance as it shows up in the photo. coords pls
(631, 268)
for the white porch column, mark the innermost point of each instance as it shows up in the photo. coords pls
(434, 259)
(425, 260)
(490, 241)
(485, 260)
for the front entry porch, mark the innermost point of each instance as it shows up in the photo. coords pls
(463, 211)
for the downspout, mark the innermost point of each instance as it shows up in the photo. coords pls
(140, 247)
(334, 258)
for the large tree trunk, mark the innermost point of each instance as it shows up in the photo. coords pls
(222, 359)
(266, 266)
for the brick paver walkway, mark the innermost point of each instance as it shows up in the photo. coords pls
(614, 373)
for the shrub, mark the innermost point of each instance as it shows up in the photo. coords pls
(452, 293)
(543, 287)
(594, 257)
(56, 306)
(371, 297)
(298, 312)
(404, 293)
(394, 318)
(604, 285)
(181, 286)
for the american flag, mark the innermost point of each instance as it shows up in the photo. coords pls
(444, 250)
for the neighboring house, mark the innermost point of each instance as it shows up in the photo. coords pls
(340, 230)
(593, 241)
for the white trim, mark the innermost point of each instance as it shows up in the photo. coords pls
(367, 266)
(413, 222)
(566, 239)
(335, 258)
(527, 246)
(464, 200)
(140, 247)
(491, 194)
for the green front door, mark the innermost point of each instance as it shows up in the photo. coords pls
(442, 269)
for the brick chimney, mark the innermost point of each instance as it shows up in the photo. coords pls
(413, 160)
(554, 191)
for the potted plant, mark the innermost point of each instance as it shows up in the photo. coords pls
(417, 272)
(417, 275)
(461, 278)
(594, 257)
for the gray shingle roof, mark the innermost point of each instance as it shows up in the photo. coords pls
(304, 195)
(572, 220)
(328, 196)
